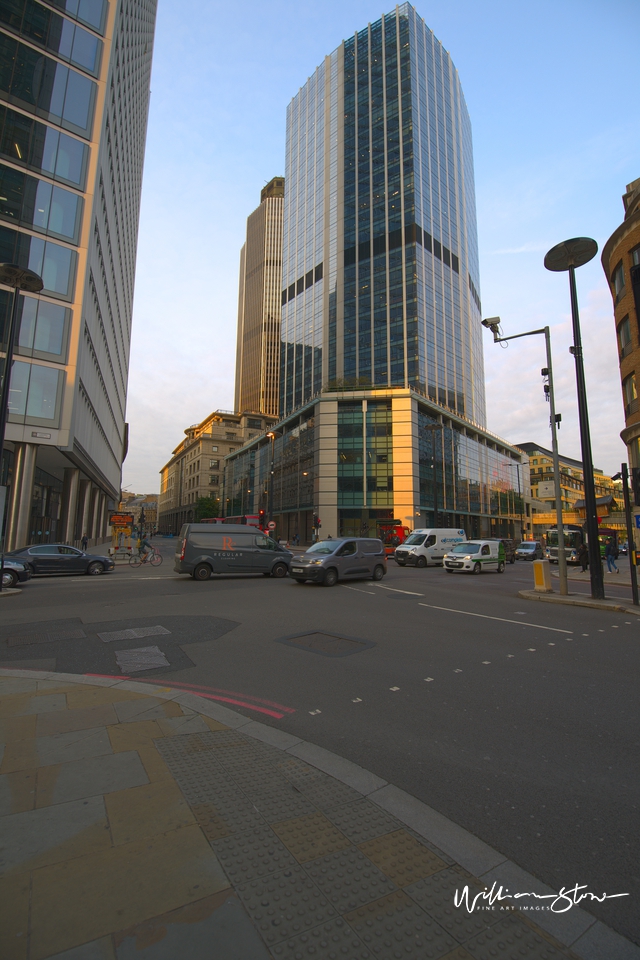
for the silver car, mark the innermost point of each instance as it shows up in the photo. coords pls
(348, 558)
(530, 550)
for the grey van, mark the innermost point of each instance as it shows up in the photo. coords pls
(206, 548)
(349, 558)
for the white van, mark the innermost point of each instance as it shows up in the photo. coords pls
(427, 545)
(474, 556)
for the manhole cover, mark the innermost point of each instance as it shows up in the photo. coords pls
(327, 644)
(134, 634)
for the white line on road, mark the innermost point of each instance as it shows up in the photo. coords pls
(411, 593)
(484, 616)
(369, 593)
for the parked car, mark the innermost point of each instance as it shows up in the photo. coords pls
(206, 548)
(510, 547)
(58, 559)
(475, 556)
(15, 572)
(349, 558)
(530, 550)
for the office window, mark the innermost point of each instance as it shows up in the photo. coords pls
(31, 144)
(214, 464)
(630, 394)
(617, 281)
(34, 393)
(214, 479)
(635, 256)
(214, 449)
(39, 205)
(624, 337)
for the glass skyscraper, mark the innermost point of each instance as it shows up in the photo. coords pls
(380, 255)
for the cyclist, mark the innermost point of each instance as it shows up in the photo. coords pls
(145, 549)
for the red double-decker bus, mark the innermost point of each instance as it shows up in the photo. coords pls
(249, 520)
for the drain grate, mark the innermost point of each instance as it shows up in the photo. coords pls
(327, 644)
(137, 633)
(49, 636)
(144, 658)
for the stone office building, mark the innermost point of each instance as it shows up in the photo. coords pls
(74, 95)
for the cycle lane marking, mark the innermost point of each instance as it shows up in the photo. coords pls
(485, 616)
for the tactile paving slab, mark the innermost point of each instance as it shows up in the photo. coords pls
(436, 896)
(144, 658)
(47, 636)
(135, 634)
(396, 927)
(256, 853)
(401, 857)
(284, 906)
(310, 837)
(512, 939)
(348, 879)
(274, 805)
(327, 793)
(362, 820)
(329, 941)
(209, 821)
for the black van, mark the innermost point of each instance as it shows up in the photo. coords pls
(206, 548)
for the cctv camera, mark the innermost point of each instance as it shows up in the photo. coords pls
(491, 323)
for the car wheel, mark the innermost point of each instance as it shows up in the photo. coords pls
(477, 568)
(279, 570)
(501, 567)
(202, 572)
(448, 570)
(378, 573)
(401, 563)
(300, 581)
(513, 560)
(9, 579)
(95, 568)
(330, 578)
(421, 562)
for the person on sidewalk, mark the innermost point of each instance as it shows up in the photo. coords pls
(611, 555)
(583, 557)
(84, 541)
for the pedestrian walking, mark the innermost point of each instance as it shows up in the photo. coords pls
(84, 541)
(611, 555)
(583, 557)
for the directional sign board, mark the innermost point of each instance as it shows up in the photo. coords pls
(121, 520)
(638, 520)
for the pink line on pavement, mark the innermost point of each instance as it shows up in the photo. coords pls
(239, 703)
(232, 693)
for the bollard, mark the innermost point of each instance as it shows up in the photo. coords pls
(542, 576)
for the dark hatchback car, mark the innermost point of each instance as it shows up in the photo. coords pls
(57, 559)
(510, 547)
(15, 572)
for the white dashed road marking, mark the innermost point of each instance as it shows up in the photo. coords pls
(485, 616)
(369, 593)
(428, 679)
(410, 593)
(394, 688)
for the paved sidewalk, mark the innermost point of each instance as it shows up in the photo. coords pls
(143, 822)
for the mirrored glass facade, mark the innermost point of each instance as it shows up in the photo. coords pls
(380, 260)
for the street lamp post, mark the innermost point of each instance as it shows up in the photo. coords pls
(11, 275)
(493, 324)
(271, 435)
(564, 257)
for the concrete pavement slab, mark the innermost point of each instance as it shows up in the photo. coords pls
(66, 721)
(601, 943)
(179, 726)
(91, 896)
(147, 708)
(101, 949)
(147, 811)
(350, 773)
(88, 778)
(10, 686)
(17, 792)
(52, 834)
(76, 745)
(90, 696)
(15, 891)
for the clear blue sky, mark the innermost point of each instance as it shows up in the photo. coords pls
(552, 89)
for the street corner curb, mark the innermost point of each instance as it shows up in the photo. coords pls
(570, 601)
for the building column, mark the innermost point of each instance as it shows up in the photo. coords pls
(19, 512)
(101, 526)
(92, 519)
(84, 492)
(69, 504)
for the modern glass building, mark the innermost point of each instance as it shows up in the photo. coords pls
(380, 259)
(362, 457)
(74, 95)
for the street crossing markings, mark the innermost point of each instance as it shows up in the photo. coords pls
(485, 616)
(551, 644)
(510, 656)
(457, 670)
(428, 679)
(410, 593)
(313, 713)
(531, 649)
(394, 688)
(357, 700)
(486, 661)
(585, 634)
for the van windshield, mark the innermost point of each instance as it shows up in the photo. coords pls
(527, 546)
(324, 546)
(415, 539)
(464, 548)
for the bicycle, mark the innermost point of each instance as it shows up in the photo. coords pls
(154, 558)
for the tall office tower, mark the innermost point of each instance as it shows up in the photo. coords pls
(380, 258)
(258, 348)
(74, 96)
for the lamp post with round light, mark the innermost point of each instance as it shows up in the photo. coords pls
(20, 278)
(564, 257)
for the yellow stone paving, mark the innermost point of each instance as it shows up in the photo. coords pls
(131, 736)
(66, 721)
(154, 765)
(19, 755)
(401, 857)
(310, 836)
(147, 811)
(22, 790)
(18, 728)
(91, 896)
(14, 898)
(85, 696)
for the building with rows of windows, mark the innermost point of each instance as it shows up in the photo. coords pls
(74, 95)
(382, 400)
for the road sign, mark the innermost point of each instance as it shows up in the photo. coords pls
(271, 525)
(638, 520)
(121, 520)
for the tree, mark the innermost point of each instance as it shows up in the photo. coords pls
(207, 507)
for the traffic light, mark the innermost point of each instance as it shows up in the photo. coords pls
(316, 522)
(635, 485)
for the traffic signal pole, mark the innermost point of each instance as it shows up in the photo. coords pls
(630, 537)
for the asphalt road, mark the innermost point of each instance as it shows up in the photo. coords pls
(517, 720)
